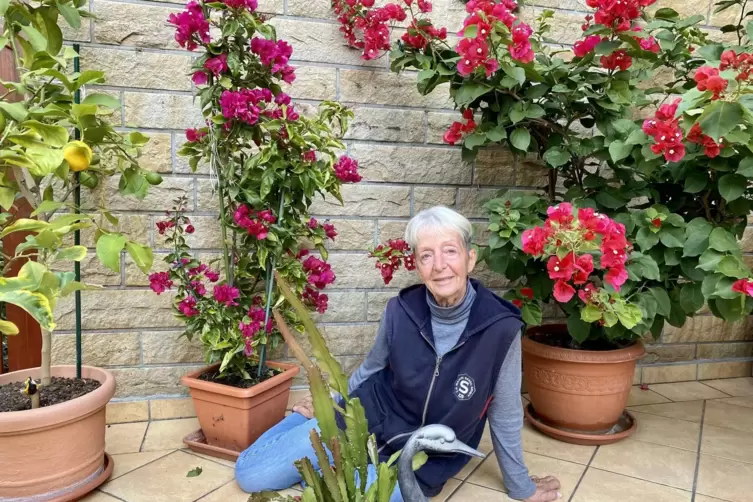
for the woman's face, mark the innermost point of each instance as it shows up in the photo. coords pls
(444, 264)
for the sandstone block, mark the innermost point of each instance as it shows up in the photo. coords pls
(668, 353)
(352, 235)
(342, 340)
(714, 371)
(207, 197)
(92, 271)
(149, 382)
(412, 164)
(319, 42)
(156, 155)
(159, 197)
(667, 374)
(426, 197)
(380, 124)
(134, 24)
(134, 227)
(127, 411)
(118, 309)
(562, 4)
(531, 174)
(112, 117)
(494, 166)
(99, 349)
(321, 9)
(746, 243)
(359, 86)
(437, 125)
(148, 70)
(135, 277)
(481, 234)
(161, 111)
(83, 34)
(313, 82)
(566, 27)
(164, 409)
(350, 363)
(472, 200)
(489, 278)
(389, 229)
(725, 350)
(709, 329)
(727, 16)
(377, 304)
(344, 307)
(169, 347)
(366, 200)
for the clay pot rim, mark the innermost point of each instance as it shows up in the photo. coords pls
(627, 354)
(192, 381)
(582, 438)
(14, 422)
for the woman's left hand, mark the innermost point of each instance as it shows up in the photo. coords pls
(546, 489)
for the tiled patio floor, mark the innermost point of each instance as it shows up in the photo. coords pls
(694, 444)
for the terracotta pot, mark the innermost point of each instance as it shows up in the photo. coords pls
(51, 452)
(233, 418)
(578, 390)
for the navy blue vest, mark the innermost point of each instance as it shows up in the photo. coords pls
(419, 388)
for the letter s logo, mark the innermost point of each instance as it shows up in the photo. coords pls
(465, 387)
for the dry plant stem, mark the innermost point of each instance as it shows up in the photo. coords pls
(19, 175)
(46, 346)
(293, 344)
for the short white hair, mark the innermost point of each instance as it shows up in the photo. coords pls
(440, 219)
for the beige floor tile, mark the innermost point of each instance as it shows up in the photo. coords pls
(168, 434)
(124, 438)
(165, 480)
(485, 445)
(162, 409)
(209, 457)
(639, 397)
(690, 411)
(125, 412)
(736, 387)
(476, 493)
(651, 462)
(704, 498)
(296, 395)
(667, 431)
(447, 491)
(127, 462)
(746, 402)
(725, 479)
(489, 475)
(232, 493)
(687, 391)
(603, 486)
(536, 442)
(468, 469)
(728, 443)
(729, 416)
(98, 496)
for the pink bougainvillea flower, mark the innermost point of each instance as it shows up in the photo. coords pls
(160, 282)
(527, 292)
(744, 286)
(194, 135)
(708, 78)
(584, 265)
(200, 78)
(586, 46)
(217, 65)
(346, 169)
(534, 240)
(187, 307)
(587, 292)
(616, 276)
(191, 26)
(224, 293)
(561, 269)
(330, 231)
(212, 275)
(561, 213)
(619, 59)
(563, 292)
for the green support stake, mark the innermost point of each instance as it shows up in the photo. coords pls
(77, 233)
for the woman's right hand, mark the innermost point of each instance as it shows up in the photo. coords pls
(305, 406)
(546, 489)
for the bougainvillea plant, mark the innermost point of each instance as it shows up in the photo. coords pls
(268, 161)
(646, 119)
(50, 146)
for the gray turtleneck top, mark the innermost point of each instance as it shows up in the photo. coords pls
(506, 409)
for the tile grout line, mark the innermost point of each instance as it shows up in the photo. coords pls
(698, 455)
(580, 480)
(191, 452)
(169, 452)
(710, 387)
(211, 492)
(143, 439)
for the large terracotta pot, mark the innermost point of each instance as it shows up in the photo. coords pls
(578, 390)
(233, 418)
(55, 452)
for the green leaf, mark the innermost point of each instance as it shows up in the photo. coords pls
(720, 117)
(475, 140)
(4, 4)
(696, 182)
(619, 150)
(74, 253)
(690, 270)
(424, 75)
(590, 313)
(76, 286)
(520, 139)
(647, 266)
(732, 186)
(517, 113)
(109, 247)
(142, 256)
(36, 39)
(723, 241)
(605, 48)
(672, 237)
(578, 329)
(610, 198)
(70, 14)
(732, 309)
(16, 111)
(556, 157)
(194, 472)
(732, 266)
(662, 301)
(697, 237)
(47, 206)
(24, 225)
(709, 260)
(691, 297)
(7, 327)
(469, 92)
(102, 100)
(646, 239)
(133, 182)
(637, 137)
(746, 167)
(629, 315)
(36, 304)
(531, 313)
(497, 134)
(498, 261)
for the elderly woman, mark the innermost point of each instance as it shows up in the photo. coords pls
(447, 352)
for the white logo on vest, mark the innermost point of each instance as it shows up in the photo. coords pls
(465, 388)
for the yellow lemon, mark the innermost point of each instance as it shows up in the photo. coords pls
(78, 154)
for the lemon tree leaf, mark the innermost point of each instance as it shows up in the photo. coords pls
(109, 247)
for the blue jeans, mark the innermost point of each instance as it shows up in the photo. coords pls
(268, 464)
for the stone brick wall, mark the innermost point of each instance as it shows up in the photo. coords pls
(396, 136)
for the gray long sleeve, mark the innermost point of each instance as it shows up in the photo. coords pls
(506, 423)
(375, 361)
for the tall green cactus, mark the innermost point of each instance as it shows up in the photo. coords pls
(353, 449)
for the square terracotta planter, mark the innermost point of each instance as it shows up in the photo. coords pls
(232, 418)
